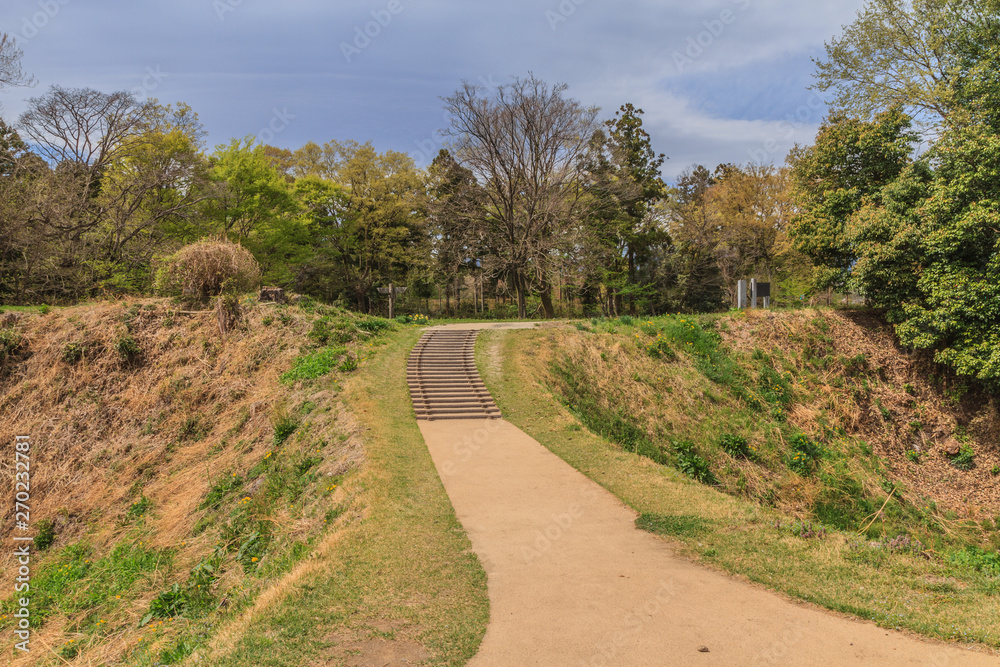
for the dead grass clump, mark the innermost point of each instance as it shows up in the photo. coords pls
(205, 269)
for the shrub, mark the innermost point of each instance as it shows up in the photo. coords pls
(73, 352)
(735, 445)
(965, 459)
(205, 269)
(46, 534)
(10, 342)
(374, 325)
(128, 348)
(690, 462)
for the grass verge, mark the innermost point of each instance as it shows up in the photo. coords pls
(886, 581)
(399, 579)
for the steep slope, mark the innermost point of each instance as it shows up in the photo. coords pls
(179, 475)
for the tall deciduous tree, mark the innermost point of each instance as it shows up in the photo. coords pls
(850, 163)
(523, 142)
(251, 193)
(903, 53)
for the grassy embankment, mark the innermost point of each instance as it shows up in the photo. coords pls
(775, 446)
(224, 499)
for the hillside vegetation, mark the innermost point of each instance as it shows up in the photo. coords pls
(186, 483)
(801, 449)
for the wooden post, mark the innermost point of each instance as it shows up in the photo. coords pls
(392, 301)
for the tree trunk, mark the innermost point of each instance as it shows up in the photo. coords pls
(522, 307)
(546, 296)
(631, 281)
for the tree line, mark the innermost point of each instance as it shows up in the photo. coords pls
(536, 203)
(540, 207)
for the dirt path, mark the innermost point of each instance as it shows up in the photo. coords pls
(572, 582)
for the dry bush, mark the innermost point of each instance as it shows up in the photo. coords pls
(206, 269)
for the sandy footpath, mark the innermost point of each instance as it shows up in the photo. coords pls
(573, 582)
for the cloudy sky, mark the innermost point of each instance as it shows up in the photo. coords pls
(720, 81)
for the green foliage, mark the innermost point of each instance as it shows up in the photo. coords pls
(220, 490)
(73, 352)
(850, 163)
(284, 426)
(314, 365)
(11, 342)
(659, 348)
(46, 534)
(735, 445)
(965, 459)
(690, 462)
(974, 558)
(417, 319)
(374, 325)
(138, 509)
(913, 456)
(128, 348)
(71, 580)
(192, 599)
(804, 454)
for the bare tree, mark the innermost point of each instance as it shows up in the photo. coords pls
(82, 125)
(523, 144)
(11, 71)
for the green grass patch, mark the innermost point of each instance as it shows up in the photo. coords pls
(314, 365)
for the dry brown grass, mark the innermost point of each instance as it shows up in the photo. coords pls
(107, 430)
(924, 414)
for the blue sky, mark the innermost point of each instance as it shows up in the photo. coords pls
(722, 81)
